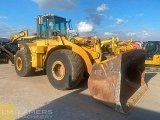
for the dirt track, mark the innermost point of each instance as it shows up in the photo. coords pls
(34, 98)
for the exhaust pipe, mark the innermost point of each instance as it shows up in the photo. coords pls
(119, 81)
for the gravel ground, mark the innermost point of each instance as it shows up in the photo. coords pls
(34, 98)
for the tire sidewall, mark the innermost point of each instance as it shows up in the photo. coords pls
(67, 79)
(20, 54)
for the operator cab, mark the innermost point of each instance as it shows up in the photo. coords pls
(49, 25)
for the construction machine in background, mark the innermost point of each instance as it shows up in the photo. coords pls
(152, 60)
(117, 81)
(113, 46)
(9, 48)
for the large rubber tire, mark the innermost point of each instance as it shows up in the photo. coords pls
(23, 64)
(72, 69)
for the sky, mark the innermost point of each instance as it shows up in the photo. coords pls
(128, 19)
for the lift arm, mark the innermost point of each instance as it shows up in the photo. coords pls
(16, 36)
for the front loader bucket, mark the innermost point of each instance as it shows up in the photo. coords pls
(119, 81)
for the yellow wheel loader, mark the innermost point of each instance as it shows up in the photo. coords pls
(118, 81)
(8, 49)
(113, 46)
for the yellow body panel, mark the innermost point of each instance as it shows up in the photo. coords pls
(42, 48)
(154, 61)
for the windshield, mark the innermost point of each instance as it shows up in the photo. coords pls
(50, 24)
(57, 24)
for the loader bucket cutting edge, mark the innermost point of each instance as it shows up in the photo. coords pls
(119, 82)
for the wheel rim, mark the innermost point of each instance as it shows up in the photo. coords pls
(19, 63)
(58, 70)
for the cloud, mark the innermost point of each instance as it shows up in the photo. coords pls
(94, 16)
(139, 15)
(120, 21)
(102, 8)
(134, 35)
(84, 27)
(8, 30)
(131, 33)
(144, 33)
(57, 4)
(109, 34)
(3, 17)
